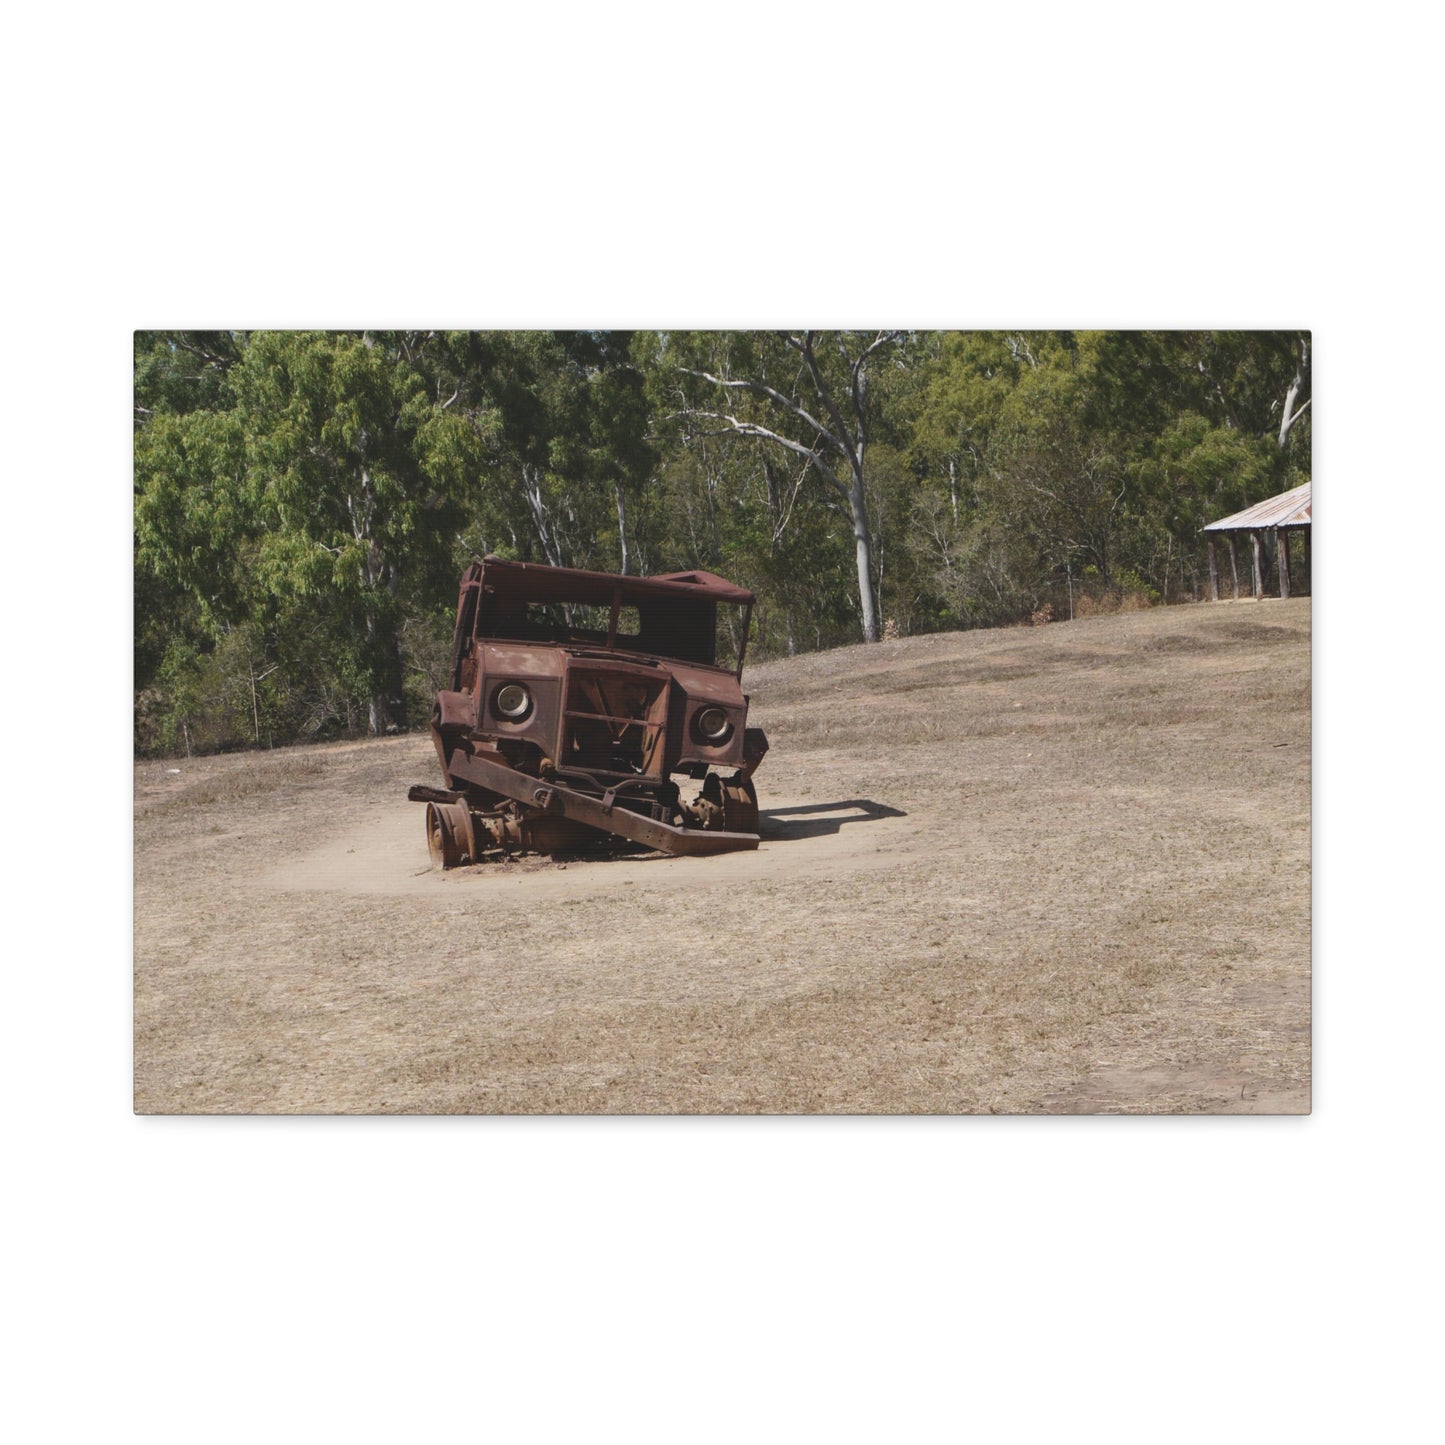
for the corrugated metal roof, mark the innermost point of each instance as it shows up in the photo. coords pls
(1289, 509)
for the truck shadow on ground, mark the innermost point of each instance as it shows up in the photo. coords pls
(818, 820)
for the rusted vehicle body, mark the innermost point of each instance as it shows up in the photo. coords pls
(577, 701)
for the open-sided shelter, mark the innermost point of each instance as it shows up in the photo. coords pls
(1283, 515)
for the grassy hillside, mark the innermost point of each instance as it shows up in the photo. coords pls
(1054, 869)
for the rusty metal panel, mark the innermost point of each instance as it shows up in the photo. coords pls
(509, 658)
(536, 580)
(550, 797)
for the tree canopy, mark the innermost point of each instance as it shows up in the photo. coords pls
(304, 501)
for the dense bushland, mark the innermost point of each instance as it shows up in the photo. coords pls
(304, 501)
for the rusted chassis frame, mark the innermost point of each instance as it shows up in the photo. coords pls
(455, 831)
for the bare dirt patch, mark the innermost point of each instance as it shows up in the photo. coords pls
(1060, 869)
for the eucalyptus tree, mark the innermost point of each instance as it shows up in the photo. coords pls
(177, 372)
(809, 394)
(1008, 486)
(729, 505)
(1210, 422)
(1253, 383)
(562, 427)
(602, 437)
(354, 480)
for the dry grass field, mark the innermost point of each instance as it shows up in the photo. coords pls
(1062, 869)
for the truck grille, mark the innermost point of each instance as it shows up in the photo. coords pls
(614, 720)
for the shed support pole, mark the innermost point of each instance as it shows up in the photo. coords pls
(1281, 547)
(1309, 570)
(1258, 568)
(1213, 574)
(1233, 563)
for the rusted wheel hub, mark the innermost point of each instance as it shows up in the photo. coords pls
(449, 837)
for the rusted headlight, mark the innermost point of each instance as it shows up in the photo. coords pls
(712, 725)
(512, 701)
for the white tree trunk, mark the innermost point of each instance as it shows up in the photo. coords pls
(863, 545)
(375, 704)
(536, 504)
(1289, 416)
(863, 539)
(867, 594)
(622, 527)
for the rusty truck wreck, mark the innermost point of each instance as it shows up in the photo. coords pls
(576, 701)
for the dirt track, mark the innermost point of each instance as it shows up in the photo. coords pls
(1061, 869)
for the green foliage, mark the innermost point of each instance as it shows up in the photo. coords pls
(183, 371)
(192, 515)
(304, 501)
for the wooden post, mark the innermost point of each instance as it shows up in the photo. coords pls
(1233, 563)
(1281, 548)
(1309, 570)
(1213, 574)
(1258, 568)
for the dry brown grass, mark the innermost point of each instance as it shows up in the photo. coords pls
(252, 775)
(1106, 603)
(1096, 898)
